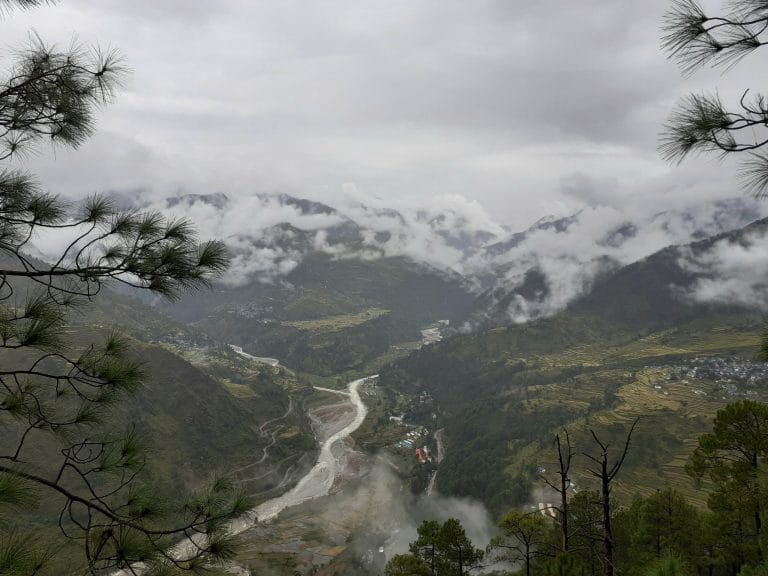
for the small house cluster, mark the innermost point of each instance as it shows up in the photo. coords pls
(412, 438)
(412, 441)
(262, 313)
(732, 377)
(721, 370)
(423, 455)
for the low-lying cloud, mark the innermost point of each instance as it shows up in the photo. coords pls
(597, 240)
(270, 234)
(731, 272)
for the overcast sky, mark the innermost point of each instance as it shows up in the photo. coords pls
(529, 108)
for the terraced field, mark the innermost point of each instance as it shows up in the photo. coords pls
(634, 382)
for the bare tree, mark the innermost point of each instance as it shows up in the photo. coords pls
(564, 457)
(521, 539)
(606, 472)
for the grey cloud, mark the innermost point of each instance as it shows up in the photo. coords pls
(271, 234)
(493, 100)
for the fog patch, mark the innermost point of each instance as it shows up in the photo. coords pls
(731, 272)
(390, 514)
(602, 238)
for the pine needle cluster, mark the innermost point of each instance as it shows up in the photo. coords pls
(701, 122)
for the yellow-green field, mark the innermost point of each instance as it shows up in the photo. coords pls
(338, 322)
(239, 390)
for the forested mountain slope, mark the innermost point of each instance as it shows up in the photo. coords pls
(613, 355)
(200, 413)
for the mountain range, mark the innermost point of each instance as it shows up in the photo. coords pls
(278, 242)
(600, 363)
(561, 324)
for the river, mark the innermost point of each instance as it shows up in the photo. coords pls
(258, 359)
(319, 480)
(440, 454)
(316, 483)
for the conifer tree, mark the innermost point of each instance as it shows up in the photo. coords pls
(702, 122)
(733, 456)
(445, 548)
(522, 538)
(54, 396)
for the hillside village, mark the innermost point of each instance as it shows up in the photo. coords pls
(732, 377)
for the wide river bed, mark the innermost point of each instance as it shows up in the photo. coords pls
(319, 480)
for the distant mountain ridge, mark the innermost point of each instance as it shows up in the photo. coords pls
(517, 276)
(656, 290)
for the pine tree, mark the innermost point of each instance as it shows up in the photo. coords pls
(522, 539)
(733, 456)
(53, 394)
(445, 548)
(702, 122)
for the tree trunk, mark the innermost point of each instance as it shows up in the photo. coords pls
(527, 561)
(606, 505)
(606, 475)
(564, 509)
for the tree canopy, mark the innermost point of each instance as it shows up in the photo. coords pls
(445, 548)
(733, 455)
(521, 539)
(407, 565)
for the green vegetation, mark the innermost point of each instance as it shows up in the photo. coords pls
(662, 533)
(407, 565)
(602, 363)
(522, 539)
(185, 417)
(732, 455)
(701, 122)
(101, 465)
(444, 548)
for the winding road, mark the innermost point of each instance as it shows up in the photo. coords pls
(272, 441)
(258, 359)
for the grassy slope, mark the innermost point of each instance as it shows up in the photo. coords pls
(199, 411)
(203, 404)
(671, 417)
(199, 414)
